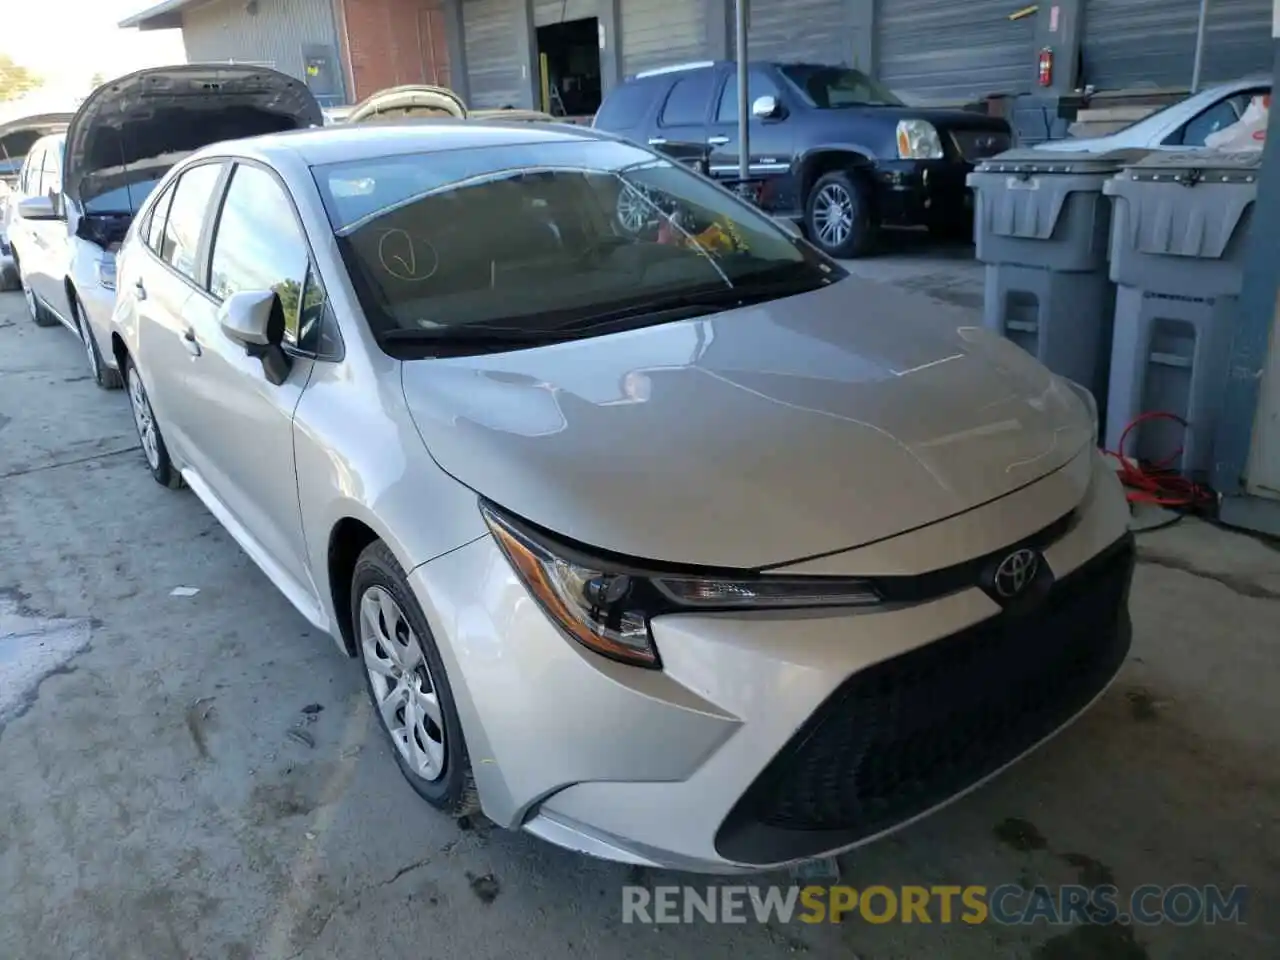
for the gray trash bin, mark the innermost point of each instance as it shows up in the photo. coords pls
(1041, 225)
(1177, 248)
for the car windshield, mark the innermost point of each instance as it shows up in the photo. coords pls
(536, 239)
(830, 88)
(124, 199)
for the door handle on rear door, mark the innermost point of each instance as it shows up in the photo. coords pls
(717, 141)
(140, 290)
(189, 341)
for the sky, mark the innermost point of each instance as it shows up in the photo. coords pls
(68, 41)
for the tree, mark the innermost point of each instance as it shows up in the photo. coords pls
(97, 80)
(15, 79)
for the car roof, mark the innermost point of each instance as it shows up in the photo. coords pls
(339, 143)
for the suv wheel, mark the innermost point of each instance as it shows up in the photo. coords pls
(103, 376)
(838, 215)
(153, 448)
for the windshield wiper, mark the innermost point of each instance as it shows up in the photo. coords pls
(472, 335)
(684, 305)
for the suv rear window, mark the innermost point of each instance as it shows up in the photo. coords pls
(627, 105)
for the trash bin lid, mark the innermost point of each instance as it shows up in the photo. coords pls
(1027, 160)
(1198, 166)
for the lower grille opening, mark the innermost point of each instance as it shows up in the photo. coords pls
(904, 735)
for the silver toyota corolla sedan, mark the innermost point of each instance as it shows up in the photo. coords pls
(658, 536)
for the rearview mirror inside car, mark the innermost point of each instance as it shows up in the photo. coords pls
(38, 208)
(255, 320)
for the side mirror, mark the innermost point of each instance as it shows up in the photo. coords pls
(246, 318)
(255, 320)
(37, 208)
(766, 108)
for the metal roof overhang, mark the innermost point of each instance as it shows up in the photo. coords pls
(161, 16)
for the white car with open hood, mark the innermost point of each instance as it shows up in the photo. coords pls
(81, 188)
(19, 133)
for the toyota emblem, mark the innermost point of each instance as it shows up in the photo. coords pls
(1016, 572)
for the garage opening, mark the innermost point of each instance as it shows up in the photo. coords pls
(569, 57)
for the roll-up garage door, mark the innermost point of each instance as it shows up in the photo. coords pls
(658, 33)
(1152, 43)
(950, 50)
(547, 12)
(805, 30)
(495, 53)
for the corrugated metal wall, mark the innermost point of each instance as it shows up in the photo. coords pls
(658, 33)
(546, 12)
(495, 53)
(1142, 43)
(793, 30)
(949, 50)
(274, 36)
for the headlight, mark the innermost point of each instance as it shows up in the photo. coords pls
(1090, 404)
(107, 273)
(918, 140)
(607, 605)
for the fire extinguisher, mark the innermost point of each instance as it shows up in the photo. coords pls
(1044, 66)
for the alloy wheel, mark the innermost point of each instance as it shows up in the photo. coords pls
(33, 308)
(833, 215)
(403, 689)
(144, 419)
(87, 338)
(633, 208)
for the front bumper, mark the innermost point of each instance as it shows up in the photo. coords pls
(772, 738)
(914, 192)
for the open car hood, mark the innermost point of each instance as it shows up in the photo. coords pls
(175, 110)
(410, 100)
(18, 134)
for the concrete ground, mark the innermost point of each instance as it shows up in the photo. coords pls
(197, 776)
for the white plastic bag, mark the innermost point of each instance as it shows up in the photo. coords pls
(1247, 133)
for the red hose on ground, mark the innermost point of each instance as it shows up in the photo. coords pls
(1159, 484)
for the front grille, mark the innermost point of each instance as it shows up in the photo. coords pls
(975, 145)
(904, 735)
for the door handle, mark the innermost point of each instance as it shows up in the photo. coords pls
(657, 141)
(189, 341)
(717, 141)
(140, 290)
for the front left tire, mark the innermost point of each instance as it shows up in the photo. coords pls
(103, 376)
(162, 469)
(406, 680)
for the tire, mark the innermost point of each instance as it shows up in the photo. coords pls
(440, 776)
(38, 314)
(153, 449)
(854, 231)
(103, 376)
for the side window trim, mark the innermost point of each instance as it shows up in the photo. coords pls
(313, 270)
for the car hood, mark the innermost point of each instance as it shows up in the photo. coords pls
(944, 118)
(758, 436)
(407, 101)
(19, 134)
(175, 110)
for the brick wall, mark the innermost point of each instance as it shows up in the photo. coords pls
(391, 42)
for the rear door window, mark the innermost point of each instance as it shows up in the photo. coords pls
(30, 184)
(627, 106)
(688, 100)
(180, 245)
(153, 233)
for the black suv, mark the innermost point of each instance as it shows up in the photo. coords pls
(831, 147)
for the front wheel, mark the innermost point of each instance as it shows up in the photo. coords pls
(839, 217)
(407, 683)
(103, 376)
(144, 418)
